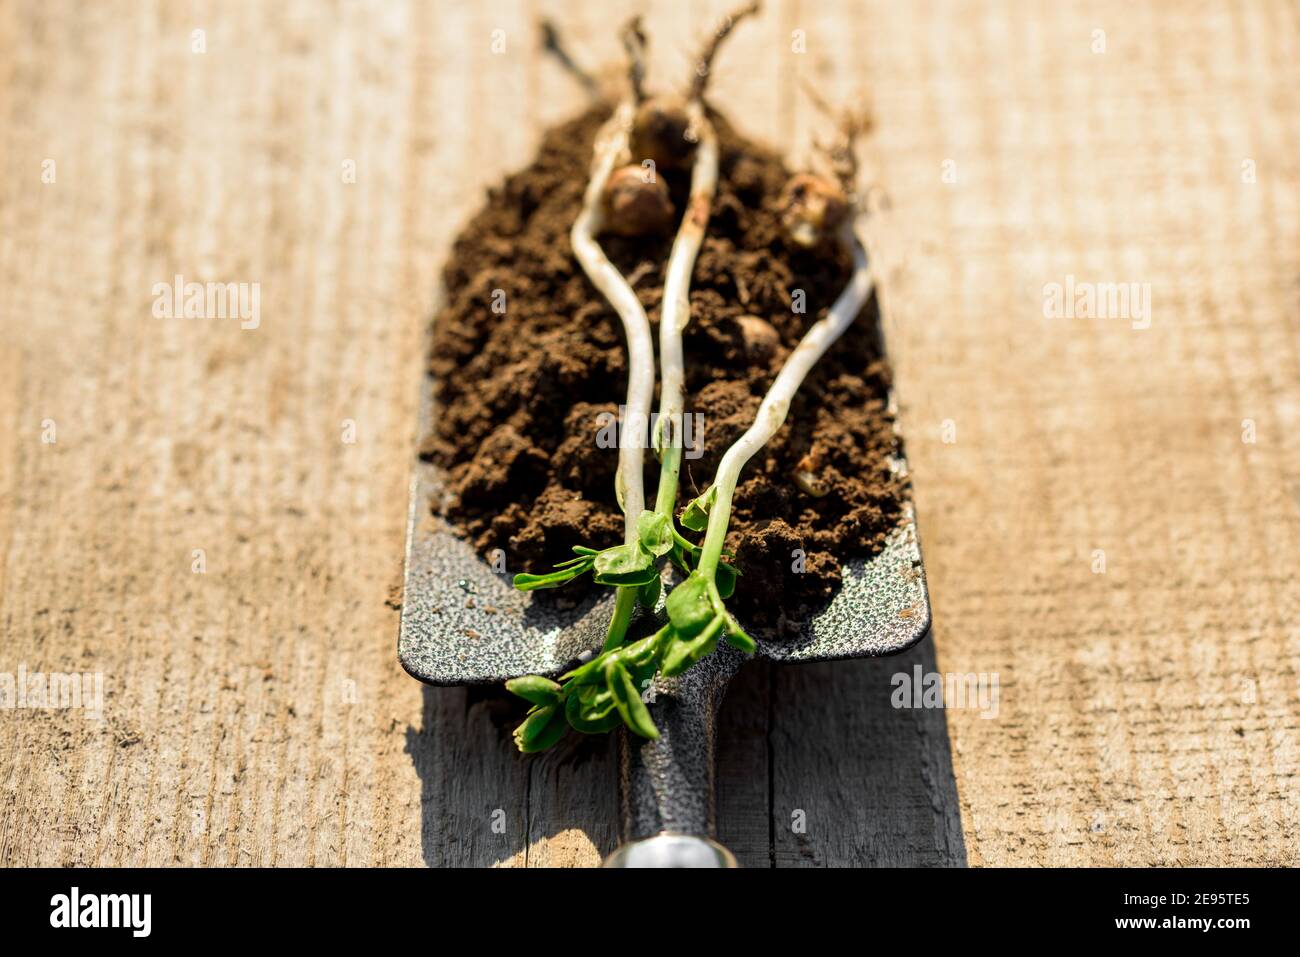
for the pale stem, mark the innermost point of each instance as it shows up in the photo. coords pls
(676, 311)
(611, 147)
(772, 412)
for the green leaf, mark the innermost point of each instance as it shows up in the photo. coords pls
(553, 579)
(642, 658)
(633, 579)
(737, 638)
(589, 673)
(690, 606)
(629, 556)
(645, 651)
(627, 564)
(535, 688)
(541, 729)
(584, 550)
(592, 710)
(696, 514)
(682, 559)
(655, 532)
(682, 653)
(726, 581)
(643, 676)
(627, 698)
(648, 594)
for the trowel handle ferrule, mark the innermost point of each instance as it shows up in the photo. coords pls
(667, 785)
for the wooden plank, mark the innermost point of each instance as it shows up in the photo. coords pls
(858, 782)
(744, 782)
(255, 712)
(1148, 711)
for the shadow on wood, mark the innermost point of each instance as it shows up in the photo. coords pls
(484, 804)
(816, 768)
(848, 780)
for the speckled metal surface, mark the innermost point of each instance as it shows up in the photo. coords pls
(463, 623)
(667, 785)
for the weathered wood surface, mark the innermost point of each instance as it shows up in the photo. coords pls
(256, 713)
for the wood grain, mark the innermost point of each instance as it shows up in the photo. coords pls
(255, 712)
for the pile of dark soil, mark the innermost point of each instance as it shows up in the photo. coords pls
(519, 392)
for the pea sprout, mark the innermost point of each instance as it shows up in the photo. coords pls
(606, 691)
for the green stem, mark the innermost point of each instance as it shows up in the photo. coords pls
(669, 470)
(665, 500)
(714, 597)
(684, 542)
(624, 605)
(715, 536)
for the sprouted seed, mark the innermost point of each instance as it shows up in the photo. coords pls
(812, 208)
(636, 203)
(608, 690)
(617, 566)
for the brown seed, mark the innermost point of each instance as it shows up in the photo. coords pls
(659, 133)
(760, 337)
(807, 475)
(636, 203)
(811, 208)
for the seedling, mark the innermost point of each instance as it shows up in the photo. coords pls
(606, 690)
(662, 127)
(695, 607)
(627, 202)
(611, 151)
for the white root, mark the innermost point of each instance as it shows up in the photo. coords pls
(676, 311)
(772, 412)
(675, 314)
(610, 152)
